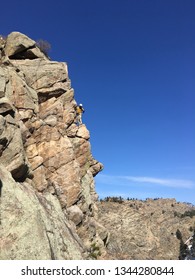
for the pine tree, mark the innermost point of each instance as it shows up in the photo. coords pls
(193, 245)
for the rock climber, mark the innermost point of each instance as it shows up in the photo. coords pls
(79, 111)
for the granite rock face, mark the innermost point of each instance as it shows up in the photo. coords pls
(32, 225)
(48, 194)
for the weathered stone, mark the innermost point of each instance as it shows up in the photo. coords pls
(145, 229)
(34, 53)
(2, 124)
(102, 232)
(56, 153)
(39, 178)
(31, 151)
(16, 43)
(2, 83)
(75, 214)
(25, 114)
(47, 133)
(6, 106)
(72, 130)
(67, 177)
(20, 94)
(83, 132)
(33, 226)
(14, 157)
(51, 120)
(95, 167)
(87, 183)
(37, 123)
(48, 78)
(69, 112)
(35, 162)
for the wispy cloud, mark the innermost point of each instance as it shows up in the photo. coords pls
(125, 180)
(175, 183)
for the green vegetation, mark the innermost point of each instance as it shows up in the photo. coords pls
(189, 213)
(113, 199)
(95, 251)
(121, 199)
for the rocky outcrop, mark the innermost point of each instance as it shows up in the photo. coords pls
(33, 226)
(48, 198)
(146, 229)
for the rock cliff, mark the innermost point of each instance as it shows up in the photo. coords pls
(48, 199)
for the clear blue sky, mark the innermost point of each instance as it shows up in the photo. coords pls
(132, 65)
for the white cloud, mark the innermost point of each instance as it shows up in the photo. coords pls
(178, 183)
(125, 180)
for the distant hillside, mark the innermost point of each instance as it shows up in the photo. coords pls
(146, 229)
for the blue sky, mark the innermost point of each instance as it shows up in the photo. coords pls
(132, 65)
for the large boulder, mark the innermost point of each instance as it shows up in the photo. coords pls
(48, 78)
(19, 46)
(17, 42)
